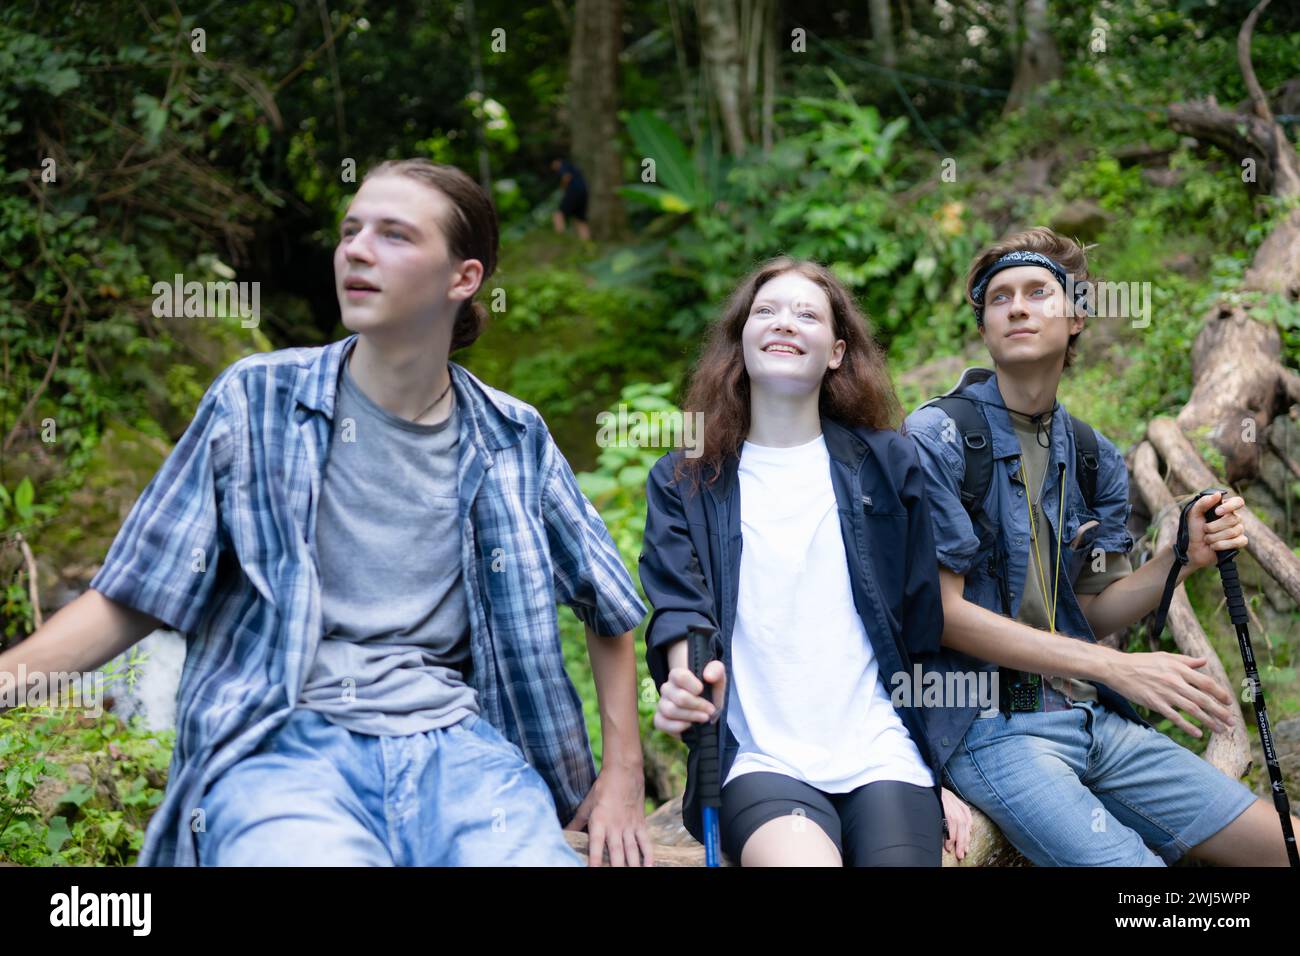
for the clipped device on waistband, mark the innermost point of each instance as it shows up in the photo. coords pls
(1020, 691)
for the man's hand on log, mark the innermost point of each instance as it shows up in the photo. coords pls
(957, 815)
(614, 815)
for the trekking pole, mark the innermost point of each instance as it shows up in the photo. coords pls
(700, 653)
(1237, 612)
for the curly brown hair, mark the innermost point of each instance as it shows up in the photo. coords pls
(858, 392)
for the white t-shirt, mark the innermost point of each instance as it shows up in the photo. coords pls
(805, 699)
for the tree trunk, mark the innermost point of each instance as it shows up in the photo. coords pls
(753, 18)
(1039, 62)
(688, 84)
(593, 110)
(769, 73)
(721, 52)
(882, 32)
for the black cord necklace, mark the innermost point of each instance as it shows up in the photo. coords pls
(434, 402)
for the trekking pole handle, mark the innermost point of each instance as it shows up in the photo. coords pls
(1228, 567)
(1182, 540)
(699, 654)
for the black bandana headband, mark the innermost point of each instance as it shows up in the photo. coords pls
(1021, 257)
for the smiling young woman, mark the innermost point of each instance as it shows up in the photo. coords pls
(800, 540)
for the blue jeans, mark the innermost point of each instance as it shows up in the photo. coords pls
(1086, 787)
(317, 794)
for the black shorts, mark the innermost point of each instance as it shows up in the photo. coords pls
(884, 823)
(574, 204)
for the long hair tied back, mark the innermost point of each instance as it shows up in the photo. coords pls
(472, 232)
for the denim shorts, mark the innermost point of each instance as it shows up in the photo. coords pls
(317, 794)
(1087, 787)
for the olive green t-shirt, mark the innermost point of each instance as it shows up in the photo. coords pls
(1036, 598)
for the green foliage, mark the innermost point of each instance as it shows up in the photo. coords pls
(639, 429)
(829, 192)
(1286, 316)
(845, 138)
(683, 182)
(632, 436)
(564, 342)
(84, 244)
(19, 513)
(47, 819)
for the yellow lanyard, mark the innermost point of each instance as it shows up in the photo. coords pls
(1033, 537)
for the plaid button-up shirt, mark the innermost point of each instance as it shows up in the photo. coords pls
(221, 546)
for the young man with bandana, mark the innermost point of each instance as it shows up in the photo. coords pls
(1064, 765)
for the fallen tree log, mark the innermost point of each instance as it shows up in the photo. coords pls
(1229, 752)
(1239, 381)
(1191, 472)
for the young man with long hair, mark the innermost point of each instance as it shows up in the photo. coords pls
(363, 544)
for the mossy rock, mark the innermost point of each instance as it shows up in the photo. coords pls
(71, 547)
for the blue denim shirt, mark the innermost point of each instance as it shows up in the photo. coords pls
(957, 543)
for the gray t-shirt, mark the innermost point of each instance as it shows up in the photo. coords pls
(394, 651)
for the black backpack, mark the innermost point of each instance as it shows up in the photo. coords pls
(977, 443)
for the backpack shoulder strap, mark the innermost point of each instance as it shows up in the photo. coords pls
(1087, 458)
(977, 446)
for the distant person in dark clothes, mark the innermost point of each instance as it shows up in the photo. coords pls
(573, 204)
